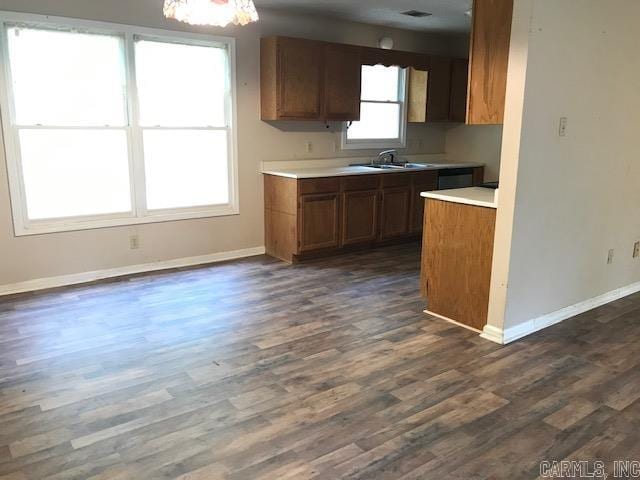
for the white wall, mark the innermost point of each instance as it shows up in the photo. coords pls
(568, 200)
(27, 258)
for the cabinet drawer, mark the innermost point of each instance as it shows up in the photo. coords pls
(391, 180)
(319, 185)
(361, 182)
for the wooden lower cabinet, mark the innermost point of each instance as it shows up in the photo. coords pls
(359, 217)
(319, 221)
(457, 250)
(321, 216)
(422, 182)
(395, 214)
(417, 207)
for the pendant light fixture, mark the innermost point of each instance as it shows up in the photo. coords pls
(218, 13)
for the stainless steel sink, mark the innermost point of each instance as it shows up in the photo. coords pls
(384, 167)
(397, 166)
(416, 165)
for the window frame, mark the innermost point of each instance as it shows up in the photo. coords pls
(139, 213)
(377, 143)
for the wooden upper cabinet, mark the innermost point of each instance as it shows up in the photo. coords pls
(291, 78)
(308, 80)
(300, 73)
(417, 95)
(342, 81)
(459, 84)
(439, 90)
(490, 38)
(439, 94)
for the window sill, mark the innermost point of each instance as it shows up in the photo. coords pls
(72, 225)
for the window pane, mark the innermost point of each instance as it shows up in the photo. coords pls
(377, 121)
(67, 79)
(380, 83)
(71, 173)
(180, 85)
(186, 168)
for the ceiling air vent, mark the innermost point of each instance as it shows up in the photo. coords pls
(416, 14)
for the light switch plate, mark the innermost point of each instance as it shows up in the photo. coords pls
(562, 129)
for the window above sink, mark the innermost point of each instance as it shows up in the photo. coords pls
(383, 116)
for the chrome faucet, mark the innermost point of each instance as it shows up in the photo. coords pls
(386, 157)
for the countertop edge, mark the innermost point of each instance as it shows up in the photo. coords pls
(339, 172)
(463, 199)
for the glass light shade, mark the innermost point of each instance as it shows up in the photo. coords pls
(219, 13)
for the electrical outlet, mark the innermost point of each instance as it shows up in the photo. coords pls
(562, 129)
(134, 242)
(636, 250)
(610, 257)
(309, 147)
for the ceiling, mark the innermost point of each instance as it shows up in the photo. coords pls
(447, 15)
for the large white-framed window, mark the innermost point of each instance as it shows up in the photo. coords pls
(383, 113)
(108, 124)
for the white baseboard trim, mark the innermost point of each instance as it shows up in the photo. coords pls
(521, 330)
(83, 277)
(494, 334)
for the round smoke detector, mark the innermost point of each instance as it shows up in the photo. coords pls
(386, 43)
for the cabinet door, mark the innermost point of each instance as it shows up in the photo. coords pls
(439, 90)
(490, 39)
(394, 218)
(299, 79)
(359, 217)
(459, 83)
(342, 82)
(417, 95)
(319, 221)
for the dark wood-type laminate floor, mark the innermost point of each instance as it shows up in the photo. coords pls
(259, 370)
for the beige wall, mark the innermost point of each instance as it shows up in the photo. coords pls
(26, 258)
(575, 197)
(476, 143)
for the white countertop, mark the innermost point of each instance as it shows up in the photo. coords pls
(478, 196)
(319, 172)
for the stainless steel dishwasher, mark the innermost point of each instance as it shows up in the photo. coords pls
(455, 178)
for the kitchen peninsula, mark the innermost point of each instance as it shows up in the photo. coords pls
(457, 250)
